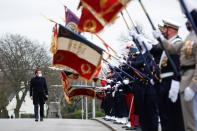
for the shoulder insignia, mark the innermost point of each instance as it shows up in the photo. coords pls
(188, 48)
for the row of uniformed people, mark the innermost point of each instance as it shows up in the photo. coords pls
(114, 103)
(151, 100)
(168, 107)
(176, 106)
(187, 51)
(141, 88)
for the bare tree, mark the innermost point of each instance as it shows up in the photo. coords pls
(19, 57)
(4, 99)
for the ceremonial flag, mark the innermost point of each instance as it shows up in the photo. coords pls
(54, 39)
(105, 9)
(97, 72)
(71, 20)
(89, 23)
(82, 91)
(76, 52)
(95, 15)
(72, 75)
(70, 92)
(65, 84)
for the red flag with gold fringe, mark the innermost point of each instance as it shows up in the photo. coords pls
(105, 9)
(82, 91)
(65, 84)
(89, 23)
(99, 12)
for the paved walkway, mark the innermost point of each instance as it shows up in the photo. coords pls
(51, 125)
(114, 127)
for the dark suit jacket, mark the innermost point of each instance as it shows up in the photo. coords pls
(38, 89)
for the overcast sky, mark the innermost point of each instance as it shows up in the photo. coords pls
(25, 17)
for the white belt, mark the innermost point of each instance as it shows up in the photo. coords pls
(168, 74)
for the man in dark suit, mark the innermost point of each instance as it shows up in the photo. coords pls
(39, 93)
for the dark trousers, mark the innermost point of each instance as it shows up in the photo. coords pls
(120, 106)
(170, 113)
(36, 107)
(146, 107)
(108, 104)
(149, 114)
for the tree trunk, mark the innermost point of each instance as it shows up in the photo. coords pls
(3, 105)
(3, 113)
(16, 112)
(19, 102)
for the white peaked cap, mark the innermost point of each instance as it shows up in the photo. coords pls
(160, 24)
(171, 23)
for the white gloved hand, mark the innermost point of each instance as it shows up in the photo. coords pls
(126, 81)
(109, 80)
(174, 91)
(152, 82)
(134, 34)
(141, 38)
(173, 94)
(122, 61)
(117, 84)
(149, 45)
(145, 43)
(157, 34)
(188, 94)
(145, 46)
(113, 93)
(107, 87)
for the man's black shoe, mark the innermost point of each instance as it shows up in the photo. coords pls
(124, 126)
(131, 128)
(36, 120)
(117, 123)
(41, 119)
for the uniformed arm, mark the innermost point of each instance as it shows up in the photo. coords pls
(172, 48)
(45, 87)
(137, 62)
(193, 83)
(156, 50)
(31, 88)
